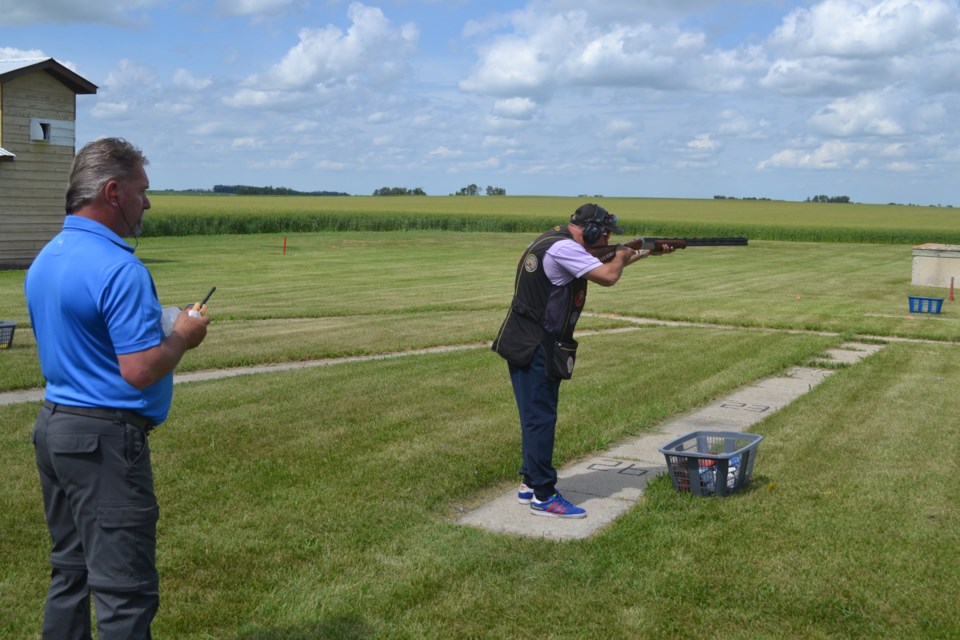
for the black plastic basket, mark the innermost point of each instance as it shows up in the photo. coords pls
(6, 333)
(708, 463)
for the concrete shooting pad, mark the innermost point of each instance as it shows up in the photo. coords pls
(612, 482)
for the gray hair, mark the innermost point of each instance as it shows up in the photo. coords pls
(96, 164)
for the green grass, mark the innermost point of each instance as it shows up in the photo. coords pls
(352, 293)
(330, 492)
(322, 503)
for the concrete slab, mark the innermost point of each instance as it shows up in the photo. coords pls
(602, 496)
(644, 450)
(800, 383)
(16, 397)
(812, 375)
(611, 483)
(866, 347)
(702, 421)
(851, 352)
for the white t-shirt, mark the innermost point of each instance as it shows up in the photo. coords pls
(566, 260)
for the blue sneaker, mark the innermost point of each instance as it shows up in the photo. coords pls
(556, 506)
(524, 494)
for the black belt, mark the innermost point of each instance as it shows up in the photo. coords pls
(116, 415)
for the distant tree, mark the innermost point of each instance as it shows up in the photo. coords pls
(399, 191)
(496, 191)
(469, 190)
(830, 199)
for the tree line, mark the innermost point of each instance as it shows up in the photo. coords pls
(469, 190)
(246, 190)
(399, 191)
(833, 199)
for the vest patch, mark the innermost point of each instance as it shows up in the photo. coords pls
(540, 308)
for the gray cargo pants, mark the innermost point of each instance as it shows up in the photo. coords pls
(102, 514)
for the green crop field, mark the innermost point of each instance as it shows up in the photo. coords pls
(323, 502)
(757, 219)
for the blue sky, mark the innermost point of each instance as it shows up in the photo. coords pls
(661, 98)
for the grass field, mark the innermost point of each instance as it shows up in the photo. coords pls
(361, 293)
(322, 503)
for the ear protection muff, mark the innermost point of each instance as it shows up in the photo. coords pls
(593, 228)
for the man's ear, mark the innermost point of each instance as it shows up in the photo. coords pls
(110, 191)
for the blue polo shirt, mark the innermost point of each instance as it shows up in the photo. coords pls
(91, 299)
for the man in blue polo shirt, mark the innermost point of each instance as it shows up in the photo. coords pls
(109, 371)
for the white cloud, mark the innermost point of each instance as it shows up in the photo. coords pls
(9, 53)
(544, 53)
(703, 142)
(512, 67)
(174, 108)
(893, 150)
(902, 167)
(130, 76)
(515, 108)
(246, 143)
(255, 99)
(288, 162)
(841, 47)
(635, 54)
(444, 152)
(105, 110)
(370, 51)
(499, 142)
(834, 154)
(870, 114)
(184, 79)
(617, 127)
(823, 76)
(861, 28)
(733, 124)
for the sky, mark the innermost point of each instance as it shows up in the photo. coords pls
(779, 99)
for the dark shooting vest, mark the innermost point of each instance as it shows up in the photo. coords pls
(539, 308)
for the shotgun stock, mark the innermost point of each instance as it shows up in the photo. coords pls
(657, 245)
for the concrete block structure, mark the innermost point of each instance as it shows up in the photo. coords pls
(934, 264)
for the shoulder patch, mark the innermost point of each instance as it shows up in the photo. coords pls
(531, 263)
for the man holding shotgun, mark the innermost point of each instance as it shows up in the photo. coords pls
(536, 338)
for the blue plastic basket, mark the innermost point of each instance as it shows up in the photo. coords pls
(708, 463)
(922, 304)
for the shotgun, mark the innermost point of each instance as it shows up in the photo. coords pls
(657, 245)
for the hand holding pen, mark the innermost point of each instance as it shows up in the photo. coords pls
(200, 309)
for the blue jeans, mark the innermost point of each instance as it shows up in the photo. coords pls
(537, 397)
